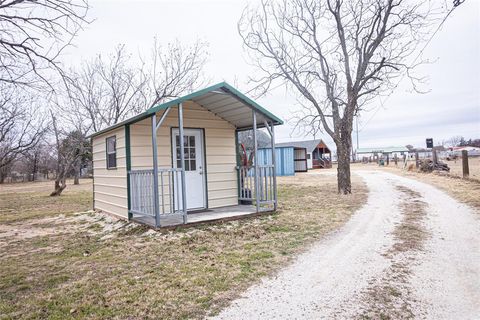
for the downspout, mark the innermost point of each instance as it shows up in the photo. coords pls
(129, 168)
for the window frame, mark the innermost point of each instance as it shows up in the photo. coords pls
(107, 154)
(188, 161)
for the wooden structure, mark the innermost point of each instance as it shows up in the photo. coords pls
(161, 167)
(465, 168)
(309, 154)
(300, 159)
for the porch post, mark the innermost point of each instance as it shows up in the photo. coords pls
(182, 161)
(272, 134)
(155, 170)
(255, 160)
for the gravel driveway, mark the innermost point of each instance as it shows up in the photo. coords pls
(411, 252)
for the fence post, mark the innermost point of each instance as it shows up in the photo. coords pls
(416, 159)
(466, 171)
(434, 156)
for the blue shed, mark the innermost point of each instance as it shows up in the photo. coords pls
(284, 160)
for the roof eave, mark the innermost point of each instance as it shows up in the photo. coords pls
(219, 86)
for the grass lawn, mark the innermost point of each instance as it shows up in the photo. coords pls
(59, 264)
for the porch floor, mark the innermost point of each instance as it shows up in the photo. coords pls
(209, 215)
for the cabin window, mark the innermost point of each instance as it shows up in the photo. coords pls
(112, 152)
(189, 153)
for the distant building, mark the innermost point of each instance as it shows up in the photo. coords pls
(471, 151)
(397, 151)
(309, 154)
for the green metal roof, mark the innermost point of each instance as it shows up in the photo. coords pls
(382, 149)
(230, 107)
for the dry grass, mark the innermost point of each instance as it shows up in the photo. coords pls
(473, 164)
(455, 166)
(89, 270)
(464, 190)
(390, 296)
(21, 201)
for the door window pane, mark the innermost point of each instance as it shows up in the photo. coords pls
(189, 152)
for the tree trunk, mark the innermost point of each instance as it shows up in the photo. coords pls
(4, 173)
(35, 166)
(76, 178)
(343, 168)
(60, 185)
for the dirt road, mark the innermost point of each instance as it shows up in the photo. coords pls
(411, 252)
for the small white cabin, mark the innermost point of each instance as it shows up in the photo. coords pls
(142, 172)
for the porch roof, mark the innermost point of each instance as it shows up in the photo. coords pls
(221, 99)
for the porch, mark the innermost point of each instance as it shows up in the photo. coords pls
(321, 157)
(194, 170)
(209, 215)
(257, 194)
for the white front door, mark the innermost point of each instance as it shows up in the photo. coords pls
(194, 166)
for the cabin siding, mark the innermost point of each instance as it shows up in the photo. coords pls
(219, 150)
(110, 185)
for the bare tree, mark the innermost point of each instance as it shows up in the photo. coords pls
(70, 147)
(20, 126)
(454, 141)
(175, 70)
(33, 35)
(246, 138)
(105, 91)
(35, 161)
(336, 55)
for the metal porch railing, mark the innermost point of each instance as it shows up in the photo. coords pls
(265, 176)
(142, 192)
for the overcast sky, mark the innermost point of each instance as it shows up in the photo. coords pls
(452, 107)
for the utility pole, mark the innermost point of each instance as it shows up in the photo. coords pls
(356, 129)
